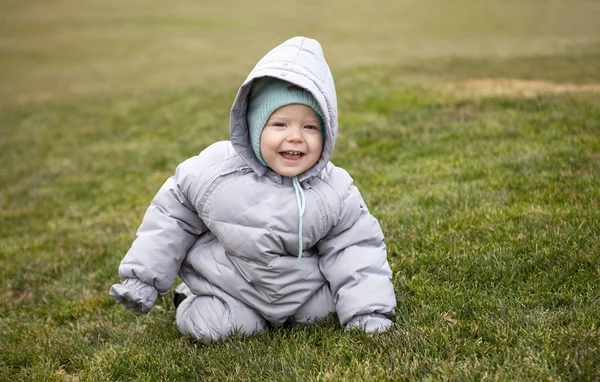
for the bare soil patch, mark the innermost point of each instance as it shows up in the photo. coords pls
(517, 88)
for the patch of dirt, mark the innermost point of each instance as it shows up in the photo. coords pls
(64, 376)
(517, 88)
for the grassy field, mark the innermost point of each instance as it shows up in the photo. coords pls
(472, 129)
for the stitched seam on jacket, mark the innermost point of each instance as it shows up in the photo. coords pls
(212, 184)
(323, 211)
(298, 54)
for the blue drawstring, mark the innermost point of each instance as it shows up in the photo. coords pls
(300, 199)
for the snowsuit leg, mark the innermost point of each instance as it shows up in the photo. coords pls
(210, 317)
(318, 306)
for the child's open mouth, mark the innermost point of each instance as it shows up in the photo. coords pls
(291, 155)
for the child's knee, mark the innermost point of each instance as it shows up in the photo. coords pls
(203, 317)
(208, 318)
(318, 306)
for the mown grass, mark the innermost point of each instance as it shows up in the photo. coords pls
(57, 49)
(490, 206)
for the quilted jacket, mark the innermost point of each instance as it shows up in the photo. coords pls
(225, 218)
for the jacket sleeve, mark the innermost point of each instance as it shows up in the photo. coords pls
(169, 228)
(353, 259)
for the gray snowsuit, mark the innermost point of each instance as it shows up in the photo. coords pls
(228, 225)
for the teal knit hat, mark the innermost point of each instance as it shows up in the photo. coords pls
(269, 94)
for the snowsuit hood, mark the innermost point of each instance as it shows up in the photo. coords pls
(299, 61)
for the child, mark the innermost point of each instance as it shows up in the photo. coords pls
(263, 229)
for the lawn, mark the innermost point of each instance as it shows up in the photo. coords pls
(471, 128)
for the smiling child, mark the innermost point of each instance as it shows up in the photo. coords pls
(264, 229)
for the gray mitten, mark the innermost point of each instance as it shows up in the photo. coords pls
(370, 323)
(135, 294)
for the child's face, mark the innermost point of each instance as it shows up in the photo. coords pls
(291, 141)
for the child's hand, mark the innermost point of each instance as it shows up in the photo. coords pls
(370, 323)
(135, 294)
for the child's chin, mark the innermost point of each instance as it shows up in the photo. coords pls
(289, 171)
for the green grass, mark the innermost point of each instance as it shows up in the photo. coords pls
(490, 204)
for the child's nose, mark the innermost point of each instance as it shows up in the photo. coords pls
(294, 135)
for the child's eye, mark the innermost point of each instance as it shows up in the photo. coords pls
(279, 124)
(310, 127)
